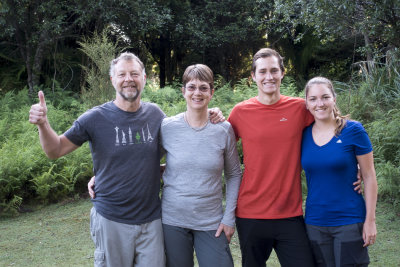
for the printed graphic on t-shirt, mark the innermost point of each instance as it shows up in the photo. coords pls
(131, 138)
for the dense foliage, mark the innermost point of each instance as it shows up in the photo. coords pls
(374, 99)
(64, 48)
(376, 23)
(31, 31)
(26, 174)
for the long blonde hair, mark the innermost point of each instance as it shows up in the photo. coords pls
(340, 119)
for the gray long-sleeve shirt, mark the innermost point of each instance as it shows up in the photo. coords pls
(192, 192)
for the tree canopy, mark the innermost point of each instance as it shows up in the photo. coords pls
(39, 40)
(34, 27)
(376, 22)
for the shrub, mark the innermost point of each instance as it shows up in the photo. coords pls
(374, 99)
(18, 163)
(24, 165)
(385, 138)
(227, 97)
(373, 92)
(66, 176)
(100, 50)
(389, 183)
(169, 98)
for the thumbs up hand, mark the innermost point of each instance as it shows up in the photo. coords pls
(38, 112)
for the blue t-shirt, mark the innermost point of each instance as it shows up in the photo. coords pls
(331, 170)
(126, 160)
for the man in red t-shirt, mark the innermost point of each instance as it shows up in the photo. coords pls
(269, 209)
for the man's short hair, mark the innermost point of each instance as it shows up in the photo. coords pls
(267, 52)
(128, 57)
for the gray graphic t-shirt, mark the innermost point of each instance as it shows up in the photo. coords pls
(126, 158)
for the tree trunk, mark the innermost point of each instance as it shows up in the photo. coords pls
(162, 63)
(38, 59)
(370, 62)
(26, 54)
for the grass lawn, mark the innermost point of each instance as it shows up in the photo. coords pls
(58, 235)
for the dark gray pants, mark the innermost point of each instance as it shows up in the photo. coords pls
(338, 246)
(210, 250)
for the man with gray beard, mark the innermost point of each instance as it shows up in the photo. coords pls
(123, 137)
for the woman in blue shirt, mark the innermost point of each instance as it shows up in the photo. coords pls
(340, 223)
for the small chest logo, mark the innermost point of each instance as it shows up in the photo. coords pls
(283, 119)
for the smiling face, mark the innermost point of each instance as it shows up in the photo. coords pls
(268, 76)
(197, 94)
(128, 80)
(320, 101)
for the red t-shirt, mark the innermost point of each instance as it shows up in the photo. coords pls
(271, 138)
